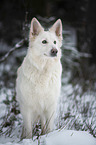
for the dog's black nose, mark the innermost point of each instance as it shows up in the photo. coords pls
(54, 52)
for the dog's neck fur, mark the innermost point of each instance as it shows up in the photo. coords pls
(40, 63)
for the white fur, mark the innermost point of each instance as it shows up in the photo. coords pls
(39, 78)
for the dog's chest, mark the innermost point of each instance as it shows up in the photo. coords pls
(39, 87)
(44, 81)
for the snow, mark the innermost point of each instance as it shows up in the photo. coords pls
(59, 137)
(70, 137)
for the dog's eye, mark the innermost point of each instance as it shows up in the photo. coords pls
(44, 41)
(54, 42)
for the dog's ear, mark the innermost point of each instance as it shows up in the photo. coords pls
(57, 28)
(36, 27)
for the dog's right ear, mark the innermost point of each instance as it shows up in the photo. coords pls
(36, 27)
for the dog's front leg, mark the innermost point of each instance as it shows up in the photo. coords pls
(50, 121)
(27, 119)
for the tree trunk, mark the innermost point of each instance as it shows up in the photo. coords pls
(91, 28)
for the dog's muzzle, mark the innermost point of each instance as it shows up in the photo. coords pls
(54, 52)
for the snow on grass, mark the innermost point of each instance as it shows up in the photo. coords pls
(77, 110)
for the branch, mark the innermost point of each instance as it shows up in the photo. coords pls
(20, 43)
(86, 55)
(17, 46)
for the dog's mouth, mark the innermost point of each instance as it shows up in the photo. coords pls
(46, 55)
(49, 55)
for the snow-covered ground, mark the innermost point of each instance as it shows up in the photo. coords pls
(76, 109)
(59, 137)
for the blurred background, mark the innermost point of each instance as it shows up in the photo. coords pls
(78, 56)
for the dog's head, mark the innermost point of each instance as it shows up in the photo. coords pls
(45, 44)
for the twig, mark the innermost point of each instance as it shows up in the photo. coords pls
(80, 54)
(86, 55)
(17, 46)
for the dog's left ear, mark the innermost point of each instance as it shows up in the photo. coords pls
(57, 28)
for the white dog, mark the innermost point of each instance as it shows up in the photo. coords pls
(39, 77)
